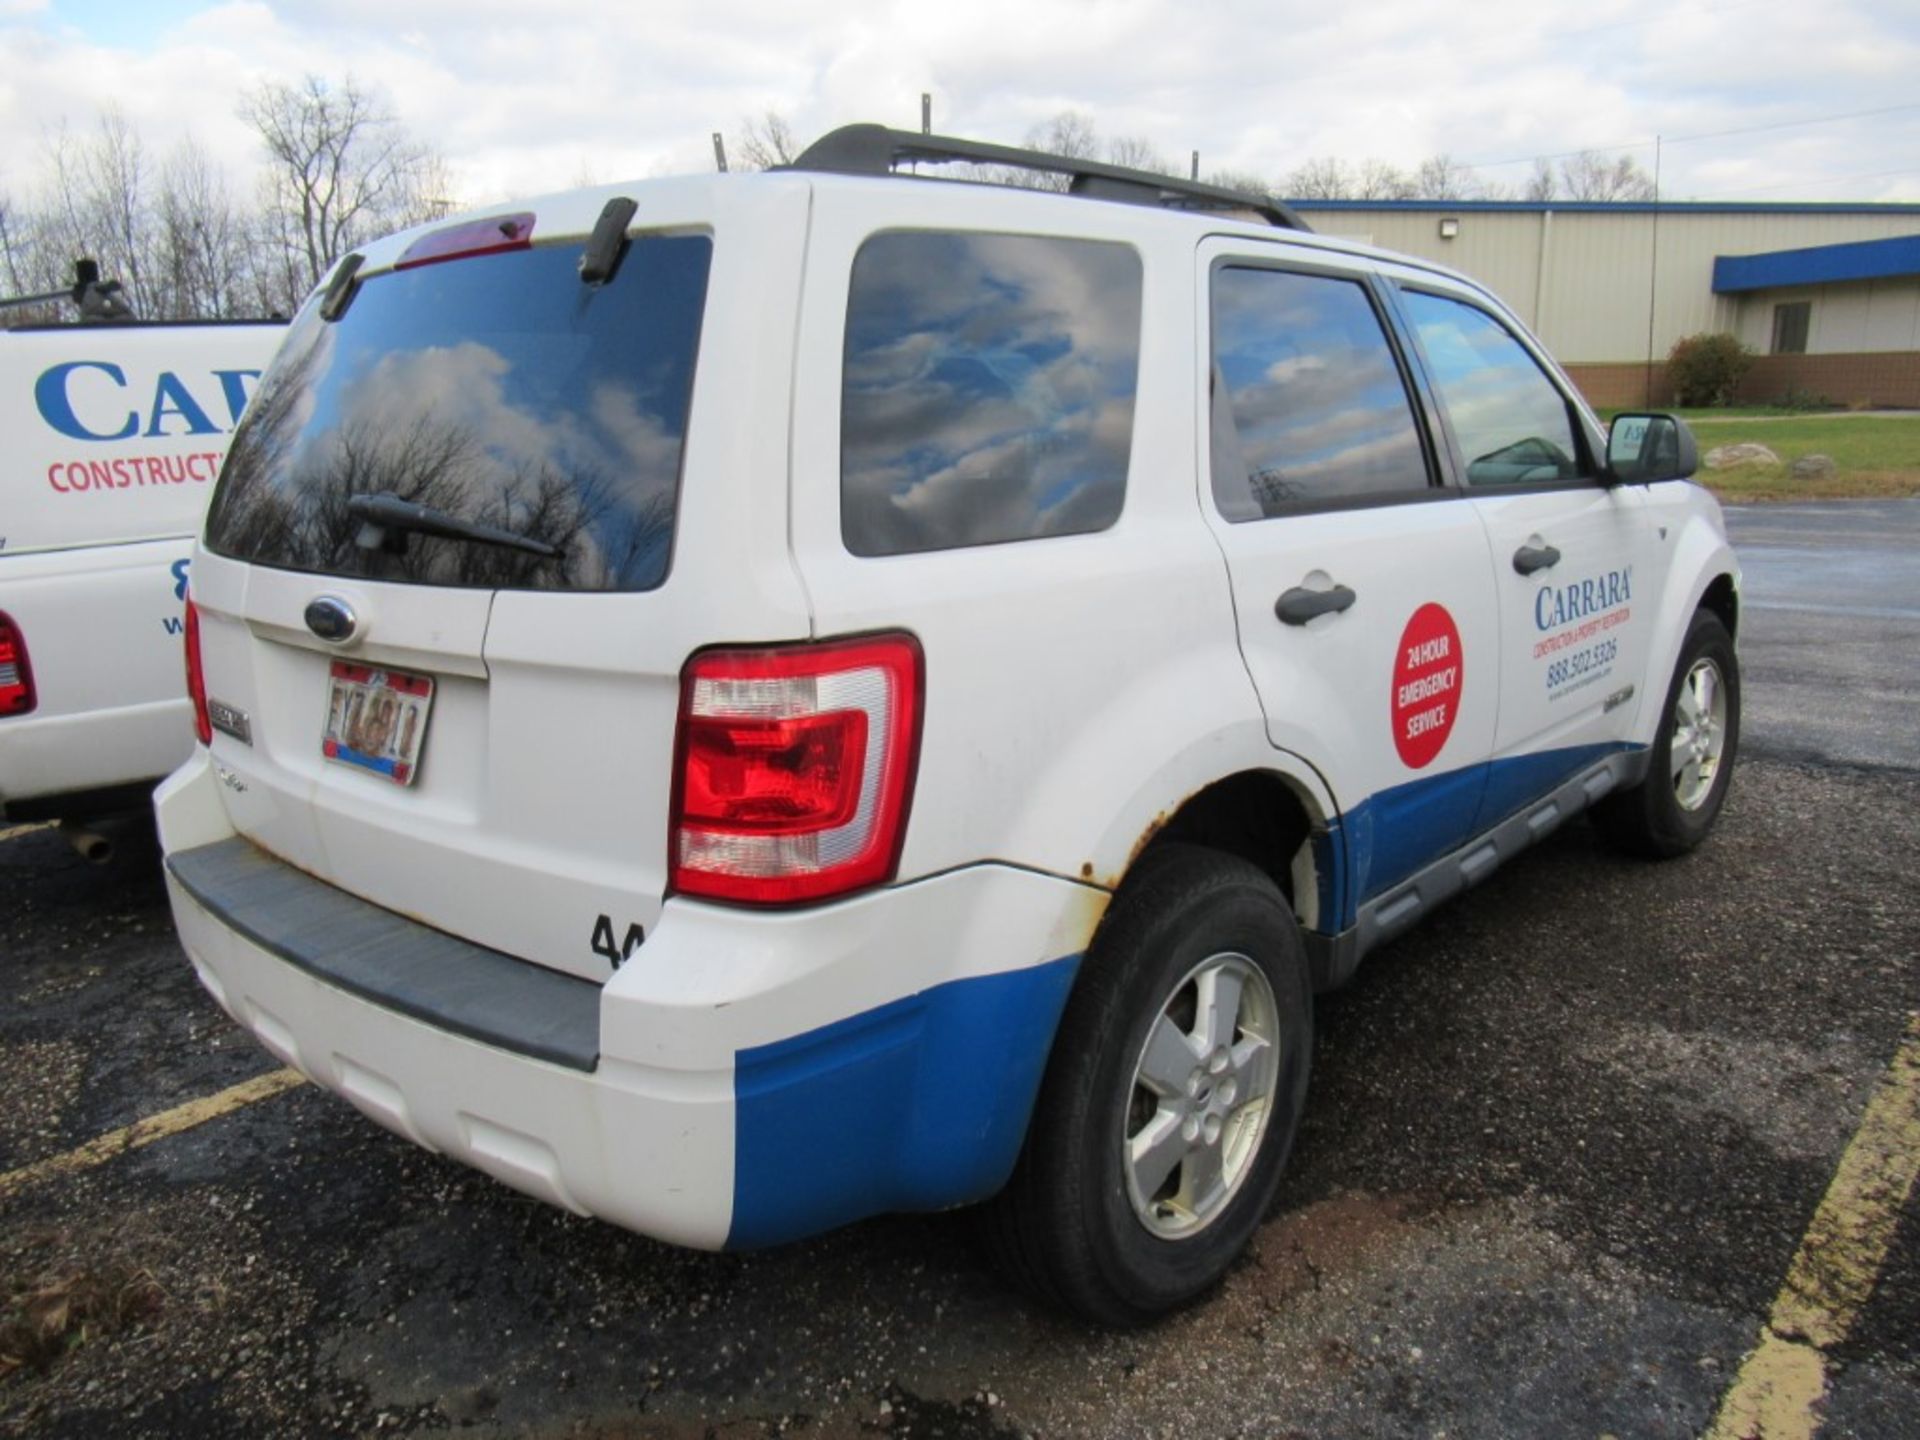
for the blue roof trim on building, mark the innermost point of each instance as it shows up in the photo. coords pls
(1817, 265)
(1621, 207)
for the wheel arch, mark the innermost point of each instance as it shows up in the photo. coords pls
(1234, 792)
(1722, 597)
(1704, 575)
(1266, 818)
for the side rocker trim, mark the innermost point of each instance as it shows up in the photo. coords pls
(1334, 958)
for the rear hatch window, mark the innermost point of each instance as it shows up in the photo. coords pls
(498, 390)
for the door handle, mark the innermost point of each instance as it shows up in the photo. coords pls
(1299, 605)
(1529, 558)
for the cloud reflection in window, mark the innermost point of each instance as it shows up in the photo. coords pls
(988, 389)
(497, 389)
(1309, 403)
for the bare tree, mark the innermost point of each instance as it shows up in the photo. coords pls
(13, 257)
(1324, 178)
(1542, 184)
(1377, 180)
(1138, 153)
(1438, 177)
(341, 170)
(763, 143)
(1070, 135)
(205, 242)
(1587, 176)
(95, 203)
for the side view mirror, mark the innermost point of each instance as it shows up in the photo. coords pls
(1642, 449)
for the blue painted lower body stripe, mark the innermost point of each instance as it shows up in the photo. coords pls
(1518, 780)
(920, 1104)
(1394, 833)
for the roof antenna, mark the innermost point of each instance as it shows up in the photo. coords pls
(926, 112)
(719, 153)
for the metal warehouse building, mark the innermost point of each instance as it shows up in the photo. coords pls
(1828, 295)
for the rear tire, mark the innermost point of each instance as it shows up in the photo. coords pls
(1171, 1098)
(1672, 809)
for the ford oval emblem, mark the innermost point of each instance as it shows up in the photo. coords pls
(332, 619)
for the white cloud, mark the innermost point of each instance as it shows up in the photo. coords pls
(520, 101)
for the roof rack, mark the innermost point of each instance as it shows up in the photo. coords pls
(876, 150)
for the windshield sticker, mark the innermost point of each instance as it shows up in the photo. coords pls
(1428, 670)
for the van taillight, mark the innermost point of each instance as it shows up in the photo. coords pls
(16, 675)
(196, 677)
(794, 769)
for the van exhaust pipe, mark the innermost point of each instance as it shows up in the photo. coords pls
(90, 845)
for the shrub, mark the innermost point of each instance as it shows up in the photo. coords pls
(1706, 369)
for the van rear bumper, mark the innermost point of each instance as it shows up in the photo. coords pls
(744, 1079)
(79, 765)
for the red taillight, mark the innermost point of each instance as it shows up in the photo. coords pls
(16, 675)
(794, 769)
(196, 677)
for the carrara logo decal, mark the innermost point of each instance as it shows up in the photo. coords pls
(1427, 673)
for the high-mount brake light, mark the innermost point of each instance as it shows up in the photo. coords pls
(468, 238)
(17, 695)
(793, 769)
(196, 677)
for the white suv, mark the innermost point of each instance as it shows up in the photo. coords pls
(744, 702)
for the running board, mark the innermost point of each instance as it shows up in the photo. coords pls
(1334, 958)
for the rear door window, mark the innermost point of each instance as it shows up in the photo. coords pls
(497, 389)
(1309, 404)
(988, 391)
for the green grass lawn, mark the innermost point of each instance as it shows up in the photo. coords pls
(1721, 413)
(1878, 455)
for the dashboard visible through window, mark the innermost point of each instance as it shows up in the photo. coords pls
(1513, 425)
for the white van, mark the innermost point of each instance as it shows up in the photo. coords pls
(743, 702)
(115, 435)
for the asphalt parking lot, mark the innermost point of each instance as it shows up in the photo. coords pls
(1564, 1147)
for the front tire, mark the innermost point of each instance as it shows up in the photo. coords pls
(1673, 808)
(1172, 1096)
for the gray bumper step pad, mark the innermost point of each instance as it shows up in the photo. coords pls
(393, 961)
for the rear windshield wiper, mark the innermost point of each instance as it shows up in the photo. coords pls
(387, 511)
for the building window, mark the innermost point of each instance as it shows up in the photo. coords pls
(1790, 327)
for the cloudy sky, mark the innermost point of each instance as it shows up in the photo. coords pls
(523, 96)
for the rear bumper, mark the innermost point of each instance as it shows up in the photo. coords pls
(757, 1077)
(62, 765)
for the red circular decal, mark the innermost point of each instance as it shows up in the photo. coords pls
(1427, 675)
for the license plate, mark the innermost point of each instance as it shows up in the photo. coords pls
(376, 719)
